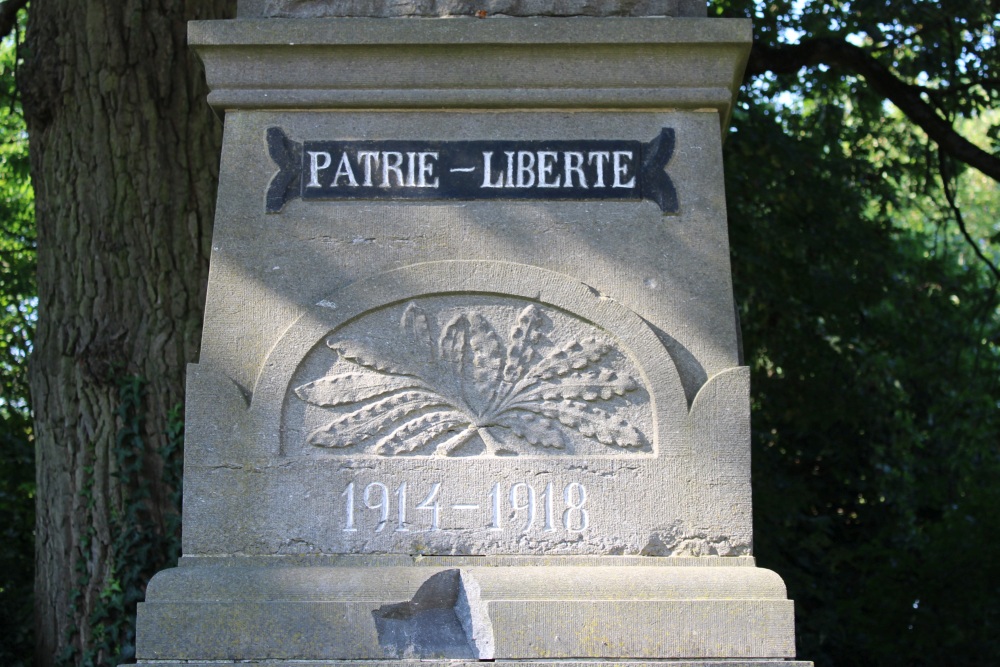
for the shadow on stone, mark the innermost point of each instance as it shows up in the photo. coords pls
(426, 626)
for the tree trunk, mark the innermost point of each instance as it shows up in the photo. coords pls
(124, 159)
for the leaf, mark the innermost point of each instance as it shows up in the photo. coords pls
(570, 356)
(601, 385)
(372, 419)
(347, 388)
(415, 323)
(606, 428)
(418, 391)
(419, 431)
(537, 430)
(414, 355)
(454, 343)
(376, 356)
(487, 355)
(524, 337)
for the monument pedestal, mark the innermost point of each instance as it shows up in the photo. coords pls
(518, 663)
(461, 663)
(466, 608)
(470, 386)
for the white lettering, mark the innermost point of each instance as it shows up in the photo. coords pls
(528, 504)
(371, 162)
(621, 169)
(510, 168)
(344, 171)
(573, 164)
(382, 504)
(411, 170)
(547, 498)
(426, 170)
(581, 497)
(391, 163)
(488, 174)
(431, 503)
(401, 509)
(495, 501)
(348, 495)
(546, 164)
(516, 503)
(525, 169)
(602, 158)
(315, 167)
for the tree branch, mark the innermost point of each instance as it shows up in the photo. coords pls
(8, 15)
(837, 54)
(949, 194)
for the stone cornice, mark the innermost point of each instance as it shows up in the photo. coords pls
(537, 63)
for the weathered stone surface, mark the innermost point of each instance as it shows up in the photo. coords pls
(650, 295)
(544, 63)
(636, 275)
(467, 609)
(482, 8)
(518, 663)
(467, 376)
(496, 428)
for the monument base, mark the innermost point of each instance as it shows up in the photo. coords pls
(384, 610)
(452, 663)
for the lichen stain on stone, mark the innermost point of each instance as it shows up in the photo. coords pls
(673, 543)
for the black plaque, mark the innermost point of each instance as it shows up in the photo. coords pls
(549, 169)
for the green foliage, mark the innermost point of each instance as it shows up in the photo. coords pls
(949, 48)
(143, 541)
(869, 310)
(17, 316)
(871, 326)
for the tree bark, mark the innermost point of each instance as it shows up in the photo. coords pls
(124, 160)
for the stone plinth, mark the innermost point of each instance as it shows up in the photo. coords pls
(485, 608)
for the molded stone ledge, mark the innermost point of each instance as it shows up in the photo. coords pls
(459, 663)
(220, 612)
(583, 63)
(443, 8)
(503, 560)
(240, 582)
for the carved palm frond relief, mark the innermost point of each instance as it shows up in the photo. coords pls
(449, 377)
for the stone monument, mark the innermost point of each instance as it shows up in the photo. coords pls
(470, 385)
